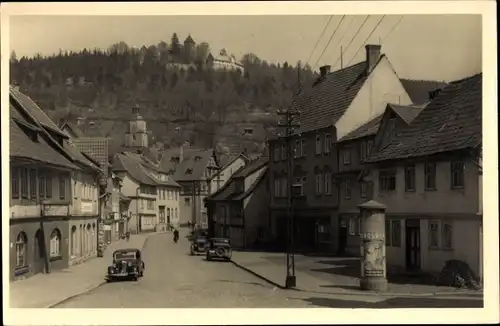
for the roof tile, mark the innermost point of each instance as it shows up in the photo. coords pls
(452, 121)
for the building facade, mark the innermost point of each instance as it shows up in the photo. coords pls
(236, 210)
(46, 170)
(331, 107)
(428, 174)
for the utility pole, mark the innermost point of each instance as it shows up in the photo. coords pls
(341, 59)
(289, 124)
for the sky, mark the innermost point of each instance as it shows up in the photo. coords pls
(432, 47)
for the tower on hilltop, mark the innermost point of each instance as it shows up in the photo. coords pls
(189, 48)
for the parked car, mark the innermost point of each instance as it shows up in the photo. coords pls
(219, 248)
(127, 264)
(198, 244)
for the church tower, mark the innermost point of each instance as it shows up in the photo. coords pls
(137, 134)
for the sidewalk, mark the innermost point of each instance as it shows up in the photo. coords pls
(331, 275)
(46, 290)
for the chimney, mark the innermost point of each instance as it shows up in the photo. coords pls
(372, 56)
(324, 70)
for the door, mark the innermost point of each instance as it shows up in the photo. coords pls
(412, 245)
(38, 255)
(343, 238)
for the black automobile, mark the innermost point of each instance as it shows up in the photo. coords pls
(127, 264)
(198, 244)
(219, 248)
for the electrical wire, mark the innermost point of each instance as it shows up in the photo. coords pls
(392, 29)
(352, 39)
(319, 39)
(342, 38)
(366, 40)
(331, 37)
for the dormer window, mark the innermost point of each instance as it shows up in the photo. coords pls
(189, 171)
(197, 158)
(248, 131)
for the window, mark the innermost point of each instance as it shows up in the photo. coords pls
(387, 232)
(276, 152)
(369, 145)
(396, 233)
(303, 147)
(277, 187)
(24, 183)
(284, 152)
(318, 144)
(187, 201)
(430, 176)
(142, 203)
(150, 205)
(328, 143)
(55, 243)
(347, 189)
(433, 234)
(319, 184)
(447, 235)
(410, 178)
(352, 226)
(175, 213)
(457, 174)
(362, 189)
(362, 151)
(299, 186)
(62, 187)
(346, 157)
(284, 187)
(73, 241)
(387, 180)
(359, 222)
(14, 178)
(48, 186)
(21, 250)
(328, 183)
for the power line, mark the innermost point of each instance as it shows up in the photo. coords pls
(319, 39)
(340, 40)
(331, 37)
(366, 40)
(352, 39)
(393, 28)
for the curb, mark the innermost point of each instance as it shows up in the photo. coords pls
(360, 292)
(52, 305)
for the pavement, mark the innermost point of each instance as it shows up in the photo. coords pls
(335, 275)
(46, 290)
(174, 279)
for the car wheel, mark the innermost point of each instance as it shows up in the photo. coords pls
(135, 278)
(209, 258)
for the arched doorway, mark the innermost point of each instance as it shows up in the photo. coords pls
(38, 255)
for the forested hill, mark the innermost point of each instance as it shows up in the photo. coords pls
(167, 81)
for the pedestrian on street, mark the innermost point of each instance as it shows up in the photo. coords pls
(176, 235)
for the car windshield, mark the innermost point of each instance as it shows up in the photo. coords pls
(220, 241)
(125, 255)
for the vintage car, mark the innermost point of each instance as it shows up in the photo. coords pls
(219, 248)
(127, 264)
(198, 244)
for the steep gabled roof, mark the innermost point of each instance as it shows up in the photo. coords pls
(29, 105)
(418, 90)
(189, 40)
(193, 165)
(323, 102)
(407, 112)
(452, 121)
(251, 167)
(368, 129)
(122, 162)
(73, 128)
(24, 147)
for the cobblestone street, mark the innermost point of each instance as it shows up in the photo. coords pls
(173, 279)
